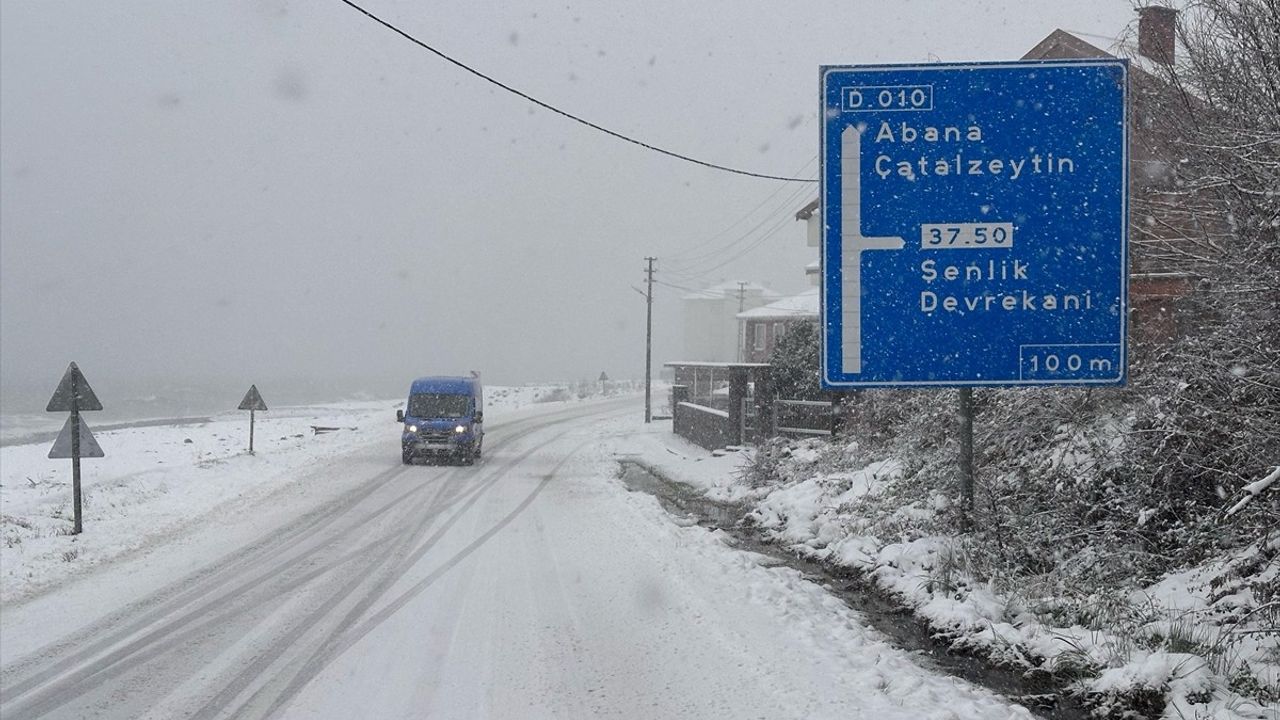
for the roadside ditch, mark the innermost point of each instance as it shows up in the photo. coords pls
(1044, 695)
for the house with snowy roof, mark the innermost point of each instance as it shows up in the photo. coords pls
(761, 328)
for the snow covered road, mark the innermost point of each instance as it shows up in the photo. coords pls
(531, 585)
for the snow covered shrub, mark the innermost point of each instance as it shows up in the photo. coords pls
(795, 363)
(781, 460)
(763, 467)
(1214, 421)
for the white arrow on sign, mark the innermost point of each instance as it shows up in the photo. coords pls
(89, 447)
(852, 244)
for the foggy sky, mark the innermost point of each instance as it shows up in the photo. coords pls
(257, 191)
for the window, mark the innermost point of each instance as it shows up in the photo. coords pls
(759, 329)
(438, 405)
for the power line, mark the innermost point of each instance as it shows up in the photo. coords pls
(699, 267)
(785, 208)
(557, 110)
(763, 238)
(769, 234)
(673, 286)
(695, 252)
(693, 266)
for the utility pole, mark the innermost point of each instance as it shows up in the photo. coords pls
(742, 330)
(648, 340)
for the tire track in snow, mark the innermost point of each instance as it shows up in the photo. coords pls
(164, 639)
(252, 673)
(351, 638)
(181, 594)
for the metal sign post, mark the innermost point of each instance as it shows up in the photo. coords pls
(252, 402)
(976, 227)
(966, 458)
(74, 395)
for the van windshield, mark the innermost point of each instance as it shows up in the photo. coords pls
(435, 405)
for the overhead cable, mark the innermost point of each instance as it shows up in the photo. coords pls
(564, 113)
(787, 211)
(698, 250)
(712, 261)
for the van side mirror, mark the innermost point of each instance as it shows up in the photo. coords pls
(479, 416)
(400, 416)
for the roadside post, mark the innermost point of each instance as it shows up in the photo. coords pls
(976, 228)
(252, 402)
(75, 441)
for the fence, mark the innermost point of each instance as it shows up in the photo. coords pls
(803, 417)
(737, 405)
(705, 426)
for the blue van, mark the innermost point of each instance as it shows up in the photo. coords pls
(444, 417)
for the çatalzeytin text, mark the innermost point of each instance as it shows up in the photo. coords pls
(957, 163)
(1009, 300)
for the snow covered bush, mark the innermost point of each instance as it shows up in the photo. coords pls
(795, 363)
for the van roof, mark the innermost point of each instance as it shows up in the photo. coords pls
(445, 384)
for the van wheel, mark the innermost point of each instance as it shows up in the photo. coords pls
(406, 457)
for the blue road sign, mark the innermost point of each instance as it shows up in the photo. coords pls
(975, 224)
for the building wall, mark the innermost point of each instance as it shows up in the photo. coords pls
(711, 325)
(705, 332)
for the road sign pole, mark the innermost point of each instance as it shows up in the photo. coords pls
(252, 402)
(75, 467)
(966, 459)
(73, 395)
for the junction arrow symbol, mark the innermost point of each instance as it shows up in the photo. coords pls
(852, 244)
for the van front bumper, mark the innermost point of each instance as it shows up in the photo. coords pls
(435, 443)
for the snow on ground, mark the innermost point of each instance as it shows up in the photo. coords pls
(811, 516)
(845, 653)
(673, 456)
(590, 601)
(156, 481)
(594, 602)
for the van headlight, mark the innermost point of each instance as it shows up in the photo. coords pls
(411, 428)
(460, 429)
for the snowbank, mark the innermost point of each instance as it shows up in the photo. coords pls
(1180, 644)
